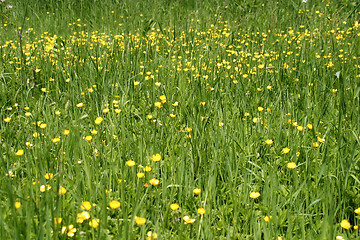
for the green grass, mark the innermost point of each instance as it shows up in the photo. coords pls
(216, 63)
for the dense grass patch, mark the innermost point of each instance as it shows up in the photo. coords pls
(179, 120)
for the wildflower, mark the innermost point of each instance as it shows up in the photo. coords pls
(309, 126)
(188, 129)
(57, 220)
(201, 211)
(188, 220)
(157, 104)
(221, 124)
(345, 224)
(140, 174)
(150, 235)
(300, 128)
(357, 211)
(19, 152)
(62, 190)
(7, 119)
(88, 138)
(71, 231)
(94, 132)
(172, 115)
(286, 150)
(66, 132)
(140, 220)
(136, 83)
(156, 157)
(17, 205)
(106, 110)
(356, 227)
(260, 109)
(267, 218)
(81, 217)
(175, 104)
(163, 98)
(269, 141)
(43, 188)
(55, 140)
(98, 120)
(147, 169)
(114, 204)
(254, 195)
(130, 163)
(291, 165)
(42, 125)
(28, 114)
(94, 223)
(79, 105)
(85, 205)
(149, 116)
(174, 206)
(197, 191)
(154, 181)
(315, 144)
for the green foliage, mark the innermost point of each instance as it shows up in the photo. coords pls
(238, 98)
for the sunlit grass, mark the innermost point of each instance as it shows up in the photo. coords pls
(181, 120)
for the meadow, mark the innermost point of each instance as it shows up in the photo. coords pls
(180, 120)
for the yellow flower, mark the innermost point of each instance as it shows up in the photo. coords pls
(94, 132)
(197, 191)
(286, 150)
(71, 231)
(136, 83)
(221, 124)
(85, 205)
(357, 211)
(267, 218)
(140, 174)
(163, 98)
(66, 132)
(158, 84)
(81, 217)
(291, 165)
(254, 195)
(156, 157)
(106, 110)
(114, 204)
(19, 152)
(309, 126)
(17, 205)
(201, 211)
(188, 220)
(57, 220)
(157, 104)
(62, 190)
(79, 105)
(300, 128)
(140, 220)
(48, 176)
(94, 223)
(260, 109)
(98, 120)
(345, 224)
(43, 125)
(28, 114)
(175, 104)
(174, 206)
(172, 115)
(315, 144)
(269, 141)
(147, 169)
(55, 140)
(88, 138)
(130, 163)
(7, 119)
(154, 181)
(150, 235)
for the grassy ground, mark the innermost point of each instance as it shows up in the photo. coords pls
(179, 119)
